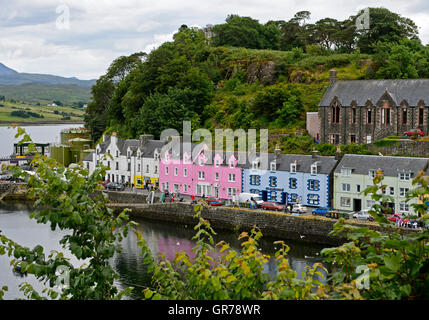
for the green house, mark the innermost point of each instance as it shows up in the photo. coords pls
(355, 173)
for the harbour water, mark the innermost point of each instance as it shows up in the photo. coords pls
(162, 238)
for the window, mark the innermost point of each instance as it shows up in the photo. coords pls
(314, 169)
(231, 192)
(117, 165)
(404, 176)
(176, 188)
(421, 116)
(108, 164)
(272, 196)
(404, 207)
(185, 172)
(293, 197)
(138, 167)
(346, 172)
(185, 188)
(175, 172)
(273, 181)
(335, 114)
(403, 191)
(117, 153)
(231, 164)
(404, 116)
(372, 173)
(345, 187)
(352, 138)
(293, 167)
(369, 116)
(166, 171)
(147, 168)
(293, 183)
(231, 177)
(201, 175)
(313, 199)
(392, 191)
(273, 166)
(354, 115)
(217, 163)
(385, 116)
(255, 164)
(217, 176)
(335, 139)
(255, 180)
(201, 161)
(313, 185)
(345, 202)
(129, 166)
(156, 169)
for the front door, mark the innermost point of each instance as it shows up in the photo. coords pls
(264, 195)
(357, 205)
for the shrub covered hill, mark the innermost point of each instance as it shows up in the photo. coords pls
(244, 74)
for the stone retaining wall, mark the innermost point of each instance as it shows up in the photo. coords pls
(273, 224)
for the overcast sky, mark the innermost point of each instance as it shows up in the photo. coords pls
(35, 38)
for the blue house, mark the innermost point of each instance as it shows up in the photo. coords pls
(305, 179)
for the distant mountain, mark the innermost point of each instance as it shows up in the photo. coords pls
(11, 77)
(5, 70)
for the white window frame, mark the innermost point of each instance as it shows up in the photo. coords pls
(185, 172)
(166, 171)
(293, 167)
(345, 202)
(346, 172)
(314, 169)
(176, 171)
(231, 177)
(345, 187)
(201, 175)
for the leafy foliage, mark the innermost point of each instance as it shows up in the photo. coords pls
(63, 199)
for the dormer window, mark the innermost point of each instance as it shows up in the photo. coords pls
(293, 167)
(273, 166)
(404, 176)
(201, 161)
(231, 164)
(314, 168)
(372, 173)
(346, 172)
(217, 163)
(255, 164)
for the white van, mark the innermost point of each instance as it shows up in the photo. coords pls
(249, 197)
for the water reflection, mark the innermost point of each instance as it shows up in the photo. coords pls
(166, 238)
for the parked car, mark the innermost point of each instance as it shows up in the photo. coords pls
(115, 186)
(363, 215)
(322, 211)
(298, 208)
(214, 202)
(272, 205)
(413, 132)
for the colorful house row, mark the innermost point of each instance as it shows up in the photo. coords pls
(312, 180)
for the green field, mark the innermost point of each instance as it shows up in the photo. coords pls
(49, 113)
(44, 93)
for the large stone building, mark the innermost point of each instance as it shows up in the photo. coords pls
(362, 111)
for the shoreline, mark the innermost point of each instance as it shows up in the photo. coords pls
(40, 123)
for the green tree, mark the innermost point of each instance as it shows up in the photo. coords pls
(65, 199)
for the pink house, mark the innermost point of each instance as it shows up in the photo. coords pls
(219, 178)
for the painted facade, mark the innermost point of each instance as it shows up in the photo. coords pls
(356, 172)
(293, 179)
(211, 177)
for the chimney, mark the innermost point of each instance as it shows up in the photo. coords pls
(338, 154)
(332, 76)
(277, 153)
(315, 154)
(144, 138)
(114, 138)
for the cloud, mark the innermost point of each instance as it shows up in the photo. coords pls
(103, 30)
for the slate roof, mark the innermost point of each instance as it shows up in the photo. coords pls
(89, 157)
(411, 90)
(391, 166)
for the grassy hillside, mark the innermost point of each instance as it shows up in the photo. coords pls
(43, 93)
(49, 113)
